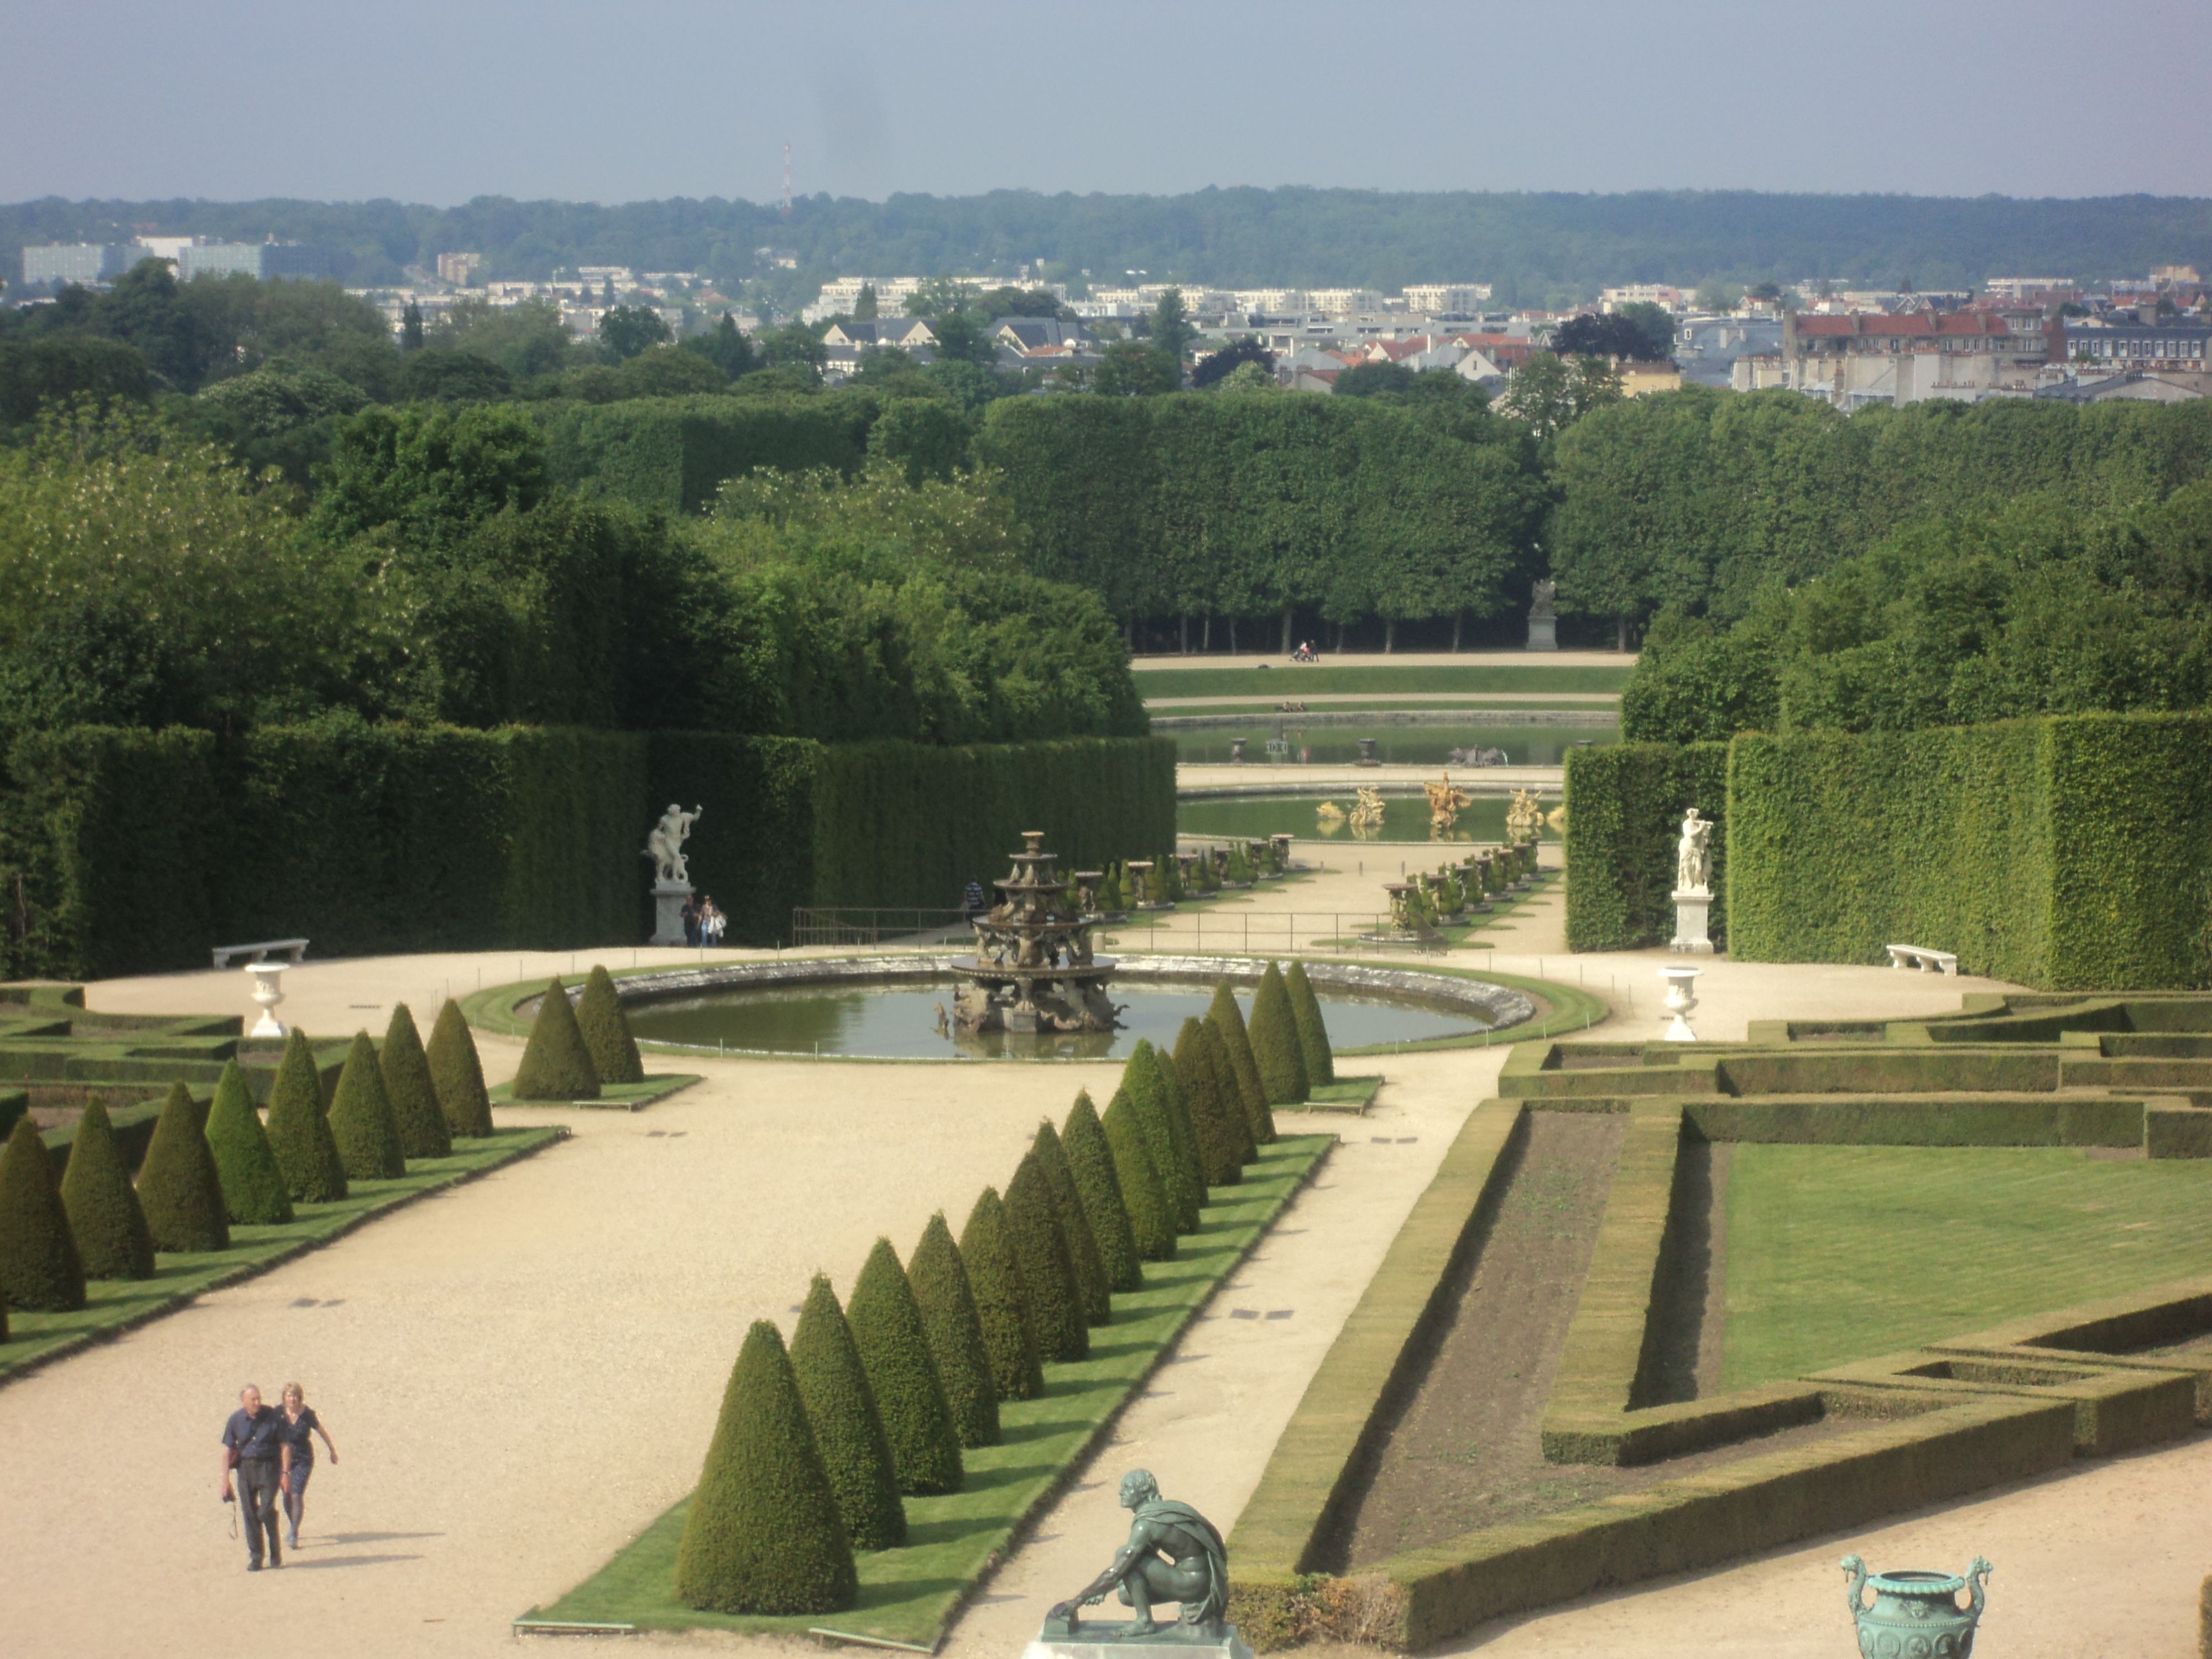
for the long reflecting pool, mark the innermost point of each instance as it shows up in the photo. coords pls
(899, 1021)
(1405, 818)
(1401, 744)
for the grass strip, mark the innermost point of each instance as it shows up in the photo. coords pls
(117, 1305)
(613, 1097)
(1307, 681)
(909, 1595)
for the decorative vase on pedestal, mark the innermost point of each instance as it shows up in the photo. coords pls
(267, 990)
(1681, 997)
(1916, 1615)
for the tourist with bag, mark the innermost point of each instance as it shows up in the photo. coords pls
(254, 1448)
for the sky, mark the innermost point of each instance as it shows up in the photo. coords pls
(441, 102)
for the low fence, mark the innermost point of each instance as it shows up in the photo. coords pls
(846, 925)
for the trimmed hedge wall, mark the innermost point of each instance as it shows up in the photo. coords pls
(675, 452)
(1624, 805)
(138, 850)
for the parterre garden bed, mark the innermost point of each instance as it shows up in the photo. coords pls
(1517, 1412)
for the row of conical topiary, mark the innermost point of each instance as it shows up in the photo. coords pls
(207, 1169)
(817, 1445)
(576, 1050)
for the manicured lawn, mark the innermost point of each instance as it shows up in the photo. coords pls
(114, 1304)
(1259, 710)
(909, 1594)
(1354, 1094)
(1839, 1253)
(1293, 683)
(612, 1096)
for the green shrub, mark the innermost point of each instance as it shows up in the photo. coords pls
(1313, 1031)
(763, 1535)
(1183, 1131)
(555, 1064)
(299, 1131)
(1274, 1036)
(362, 1123)
(1219, 1145)
(947, 1303)
(1230, 1097)
(1146, 1090)
(179, 1188)
(1055, 1300)
(253, 1194)
(458, 1075)
(1074, 1226)
(888, 1330)
(1151, 1211)
(408, 1086)
(1228, 1022)
(40, 1267)
(994, 1276)
(1624, 805)
(1090, 1161)
(849, 1432)
(104, 1217)
(599, 1017)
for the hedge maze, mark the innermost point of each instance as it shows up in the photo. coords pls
(1662, 1469)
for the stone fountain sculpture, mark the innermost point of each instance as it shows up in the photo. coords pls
(671, 872)
(1033, 970)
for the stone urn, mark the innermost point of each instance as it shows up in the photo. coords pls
(1681, 997)
(1916, 1615)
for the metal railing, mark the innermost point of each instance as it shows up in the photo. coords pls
(814, 925)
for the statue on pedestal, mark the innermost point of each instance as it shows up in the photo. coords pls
(1544, 617)
(1174, 1554)
(1693, 854)
(664, 844)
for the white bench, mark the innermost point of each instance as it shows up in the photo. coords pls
(294, 949)
(1919, 956)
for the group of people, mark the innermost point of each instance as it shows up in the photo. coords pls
(1307, 652)
(267, 1453)
(704, 924)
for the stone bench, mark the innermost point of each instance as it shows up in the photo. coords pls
(294, 949)
(1919, 956)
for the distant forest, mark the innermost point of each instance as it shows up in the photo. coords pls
(1535, 248)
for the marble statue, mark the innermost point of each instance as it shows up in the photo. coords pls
(1174, 1554)
(1542, 597)
(1693, 854)
(665, 844)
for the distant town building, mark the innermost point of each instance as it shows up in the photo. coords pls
(1446, 299)
(1861, 357)
(458, 268)
(60, 262)
(2140, 344)
(1647, 294)
(2032, 291)
(56, 264)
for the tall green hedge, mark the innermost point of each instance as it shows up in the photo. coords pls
(674, 453)
(1275, 1034)
(1144, 1092)
(1151, 1212)
(457, 1073)
(763, 1535)
(1313, 1029)
(2072, 853)
(947, 1302)
(362, 1122)
(423, 1131)
(1228, 1022)
(1074, 1225)
(1217, 1122)
(1625, 806)
(599, 1017)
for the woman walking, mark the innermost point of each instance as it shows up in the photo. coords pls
(299, 1427)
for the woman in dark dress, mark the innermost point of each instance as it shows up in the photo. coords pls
(299, 1427)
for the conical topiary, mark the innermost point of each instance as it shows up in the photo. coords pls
(458, 1075)
(361, 1117)
(599, 1017)
(1001, 1302)
(1313, 1031)
(1225, 1092)
(253, 1192)
(1218, 1143)
(39, 1268)
(1091, 1161)
(1228, 1022)
(555, 1065)
(1147, 1093)
(1275, 1034)
(1055, 1300)
(298, 1131)
(848, 1431)
(947, 1303)
(179, 1186)
(894, 1346)
(763, 1535)
(1074, 1226)
(1152, 1213)
(405, 1070)
(104, 1217)
(1180, 1126)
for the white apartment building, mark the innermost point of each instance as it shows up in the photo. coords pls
(1648, 293)
(1446, 299)
(1345, 301)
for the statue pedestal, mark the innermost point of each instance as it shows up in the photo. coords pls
(1690, 936)
(669, 898)
(1104, 1639)
(1543, 633)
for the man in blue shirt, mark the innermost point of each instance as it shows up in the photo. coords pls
(253, 1443)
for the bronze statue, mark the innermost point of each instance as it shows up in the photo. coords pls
(1174, 1554)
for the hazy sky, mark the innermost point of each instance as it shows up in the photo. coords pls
(439, 102)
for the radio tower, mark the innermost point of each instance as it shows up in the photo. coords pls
(786, 177)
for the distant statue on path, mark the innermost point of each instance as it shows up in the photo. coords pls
(665, 844)
(1543, 598)
(1693, 854)
(1174, 1554)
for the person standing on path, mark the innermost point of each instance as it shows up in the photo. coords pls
(299, 1426)
(253, 1444)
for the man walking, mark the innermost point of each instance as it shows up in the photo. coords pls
(253, 1443)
